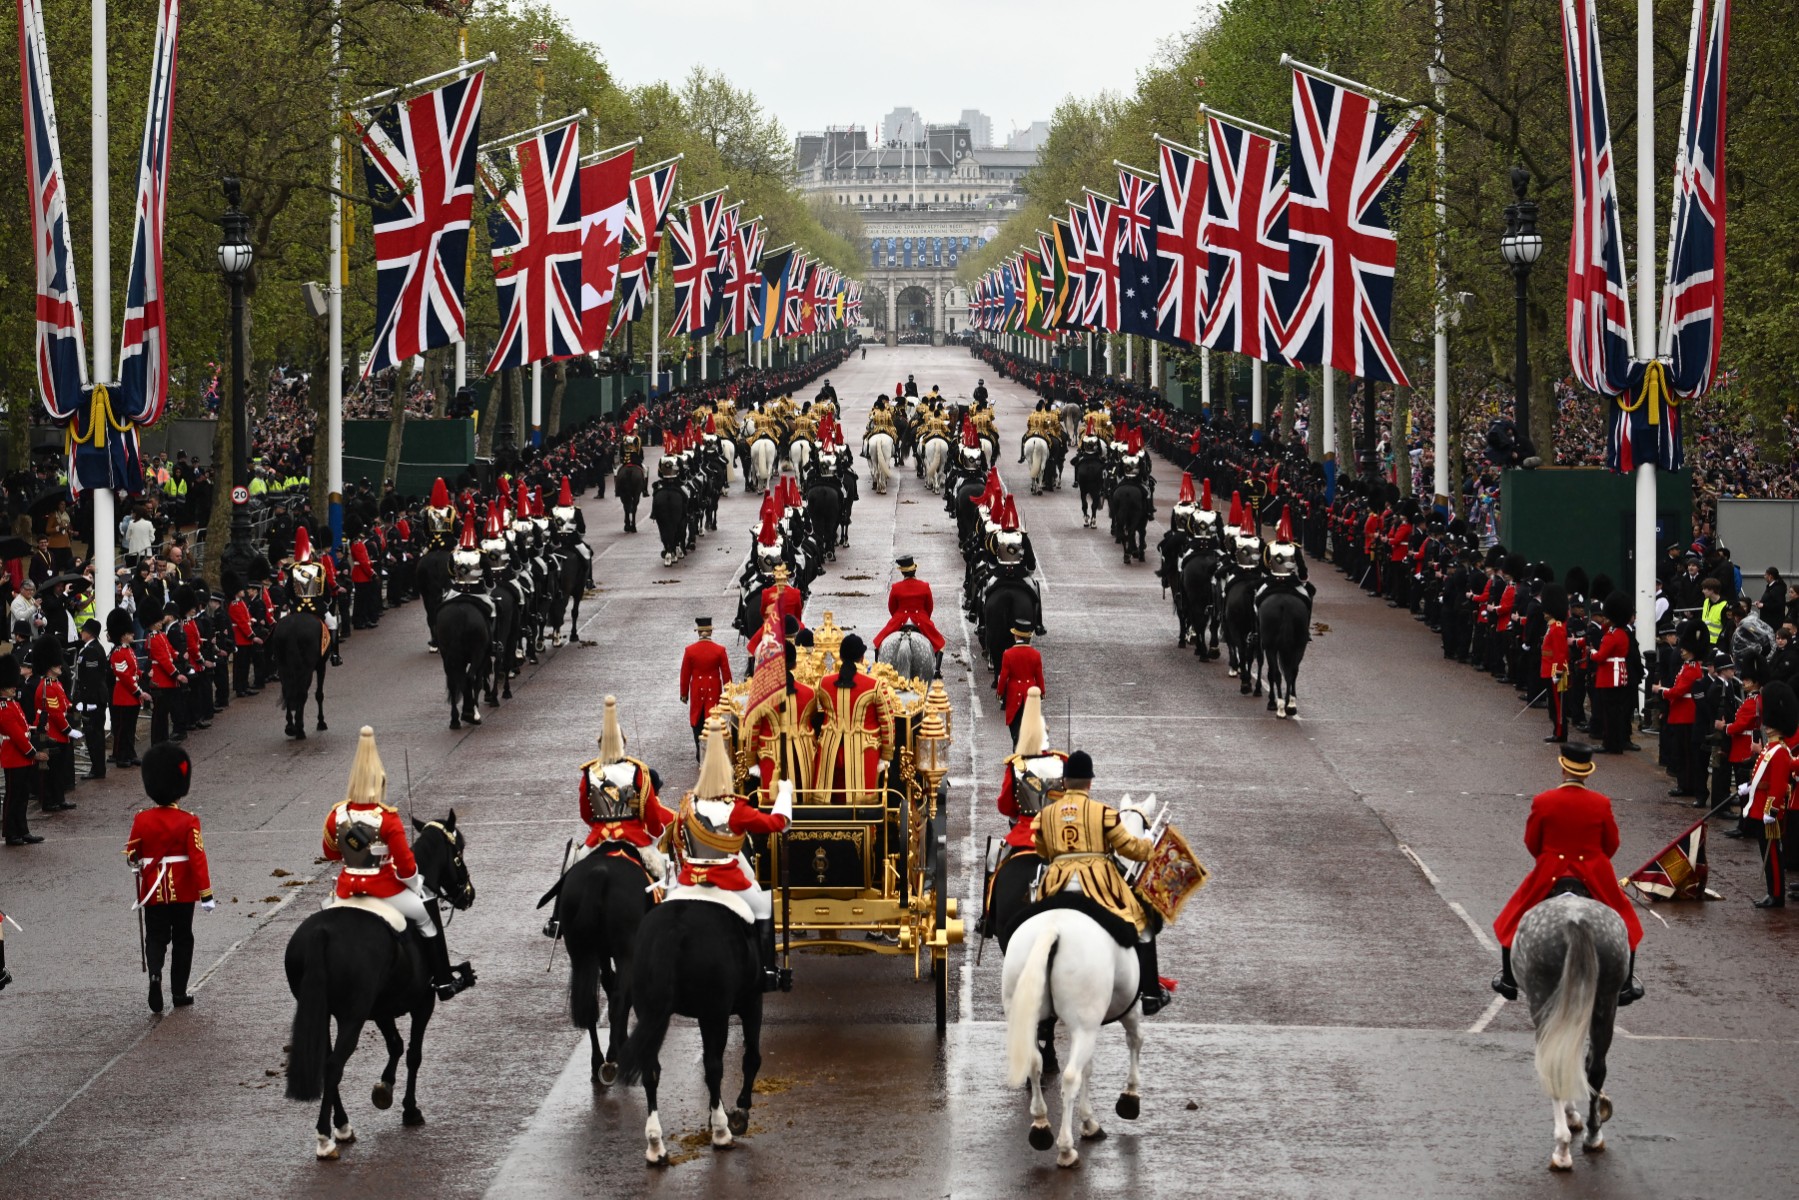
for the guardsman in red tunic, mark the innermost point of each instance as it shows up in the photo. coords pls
(787, 601)
(1020, 671)
(366, 834)
(620, 809)
(364, 585)
(1572, 834)
(1742, 732)
(18, 756)
(855, 737)
(52, 706)
(705, 670)
(166, 678)
(127, 688)
(714, 821)
(1032, 771)
(1769, 792)
(1611, 677)
(1678, 751)
(909, 599)
(1553, 669)
(244, 639)
(166, 852)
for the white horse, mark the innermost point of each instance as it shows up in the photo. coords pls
(763, 453)
(909, 652)
(1061, 964)
(800, 455)
(936, 457)
(1036, 458)
(879, 448)
(990, 447)
(1072, 415)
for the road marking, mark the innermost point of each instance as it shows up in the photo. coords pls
(1486, 1018)
(1480, 935)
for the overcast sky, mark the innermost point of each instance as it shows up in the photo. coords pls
(1012, 59)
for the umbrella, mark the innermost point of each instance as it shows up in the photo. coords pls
(47, 500)
(14, 547)
(81, 582)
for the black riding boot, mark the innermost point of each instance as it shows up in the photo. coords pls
(1503, 983)
(1632, 991)
(774, 979)
(1150, 991)
(5, 975)
(696, 739)
(939, 666)
(446, 979)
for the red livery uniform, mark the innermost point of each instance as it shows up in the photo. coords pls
(16, 749)
(764, 727)
(909, 599)
(1741, 730)
(396, 861)
(1680, 695)
(1613, 658)
(856, 737)
(190, 633)
(640, 831)
(1770, 794)
(53, 708)
(705, 670)
(1023, 835)
(163, 669)
(726, 869)
(165, 844)
(1573, 835)
(1020, 670)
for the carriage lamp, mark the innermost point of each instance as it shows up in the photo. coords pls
(933, 762)
(937, 703)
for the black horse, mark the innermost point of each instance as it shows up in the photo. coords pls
(1090, 478)
(464, 635)
(433, 575)
(706, 966)
(299, 645)
(347, 965)
(824, 510)
(1007, 604)
(568, 578)
(603, 903)
(668, 508)
(1240, 633)
(1194, 601)
(1130, 517)
(1283, 622)
(630, 483)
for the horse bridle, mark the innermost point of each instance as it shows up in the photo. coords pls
(450, 840)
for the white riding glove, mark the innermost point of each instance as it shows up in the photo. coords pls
(208, 905)
(1743, 790)
(784, 801)
(414, 883)
(1770, 818)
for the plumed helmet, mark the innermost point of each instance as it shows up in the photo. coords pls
(1780, 708)
(46, 652)
(716, 780)
(1619, 608)
(1555, 601)
(368, 778)
(167, 771)
(1033, 733)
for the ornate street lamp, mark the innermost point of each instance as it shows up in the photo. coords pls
(1522, 245)
(241, 563)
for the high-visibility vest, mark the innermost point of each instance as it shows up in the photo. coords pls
(1712, 613)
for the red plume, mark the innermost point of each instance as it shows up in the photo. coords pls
(440, 493)
(567, 498)
(496, 521)
(302, 545)
(1186, 496)
(970, 439)
(631, 425)
(467, 540)
(770, 507)
(1274, 475)
(766, 536)
(711, 425)
(524, 500)
(1009, 521)
(1237, 520)
(1205, 494)
(1284, 532)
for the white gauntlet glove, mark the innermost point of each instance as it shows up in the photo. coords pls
(784, 801)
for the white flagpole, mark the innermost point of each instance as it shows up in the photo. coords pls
(334, 307)
(105, 520)
(1440, 358)
(1256, 395)
(1646, 314)
(655, 322)
(1155, 362)
(1329, 416)
(1205, 378)
(462, 342)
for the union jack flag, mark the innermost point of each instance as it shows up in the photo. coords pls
(61, 339)
(794, 309)
(1347, 161)
(1074, 312)
(852, 305)
(536, 234)
(651, 193)
(1599, 328)
(742, 281)
(1181, 242)
(1246, 242)
(419, 161)
(1693, 296)
(143, 342)
(694, 234)
(1100, 257)
(1135, 212)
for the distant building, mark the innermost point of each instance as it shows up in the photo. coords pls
(1030, 138)
(980, 128)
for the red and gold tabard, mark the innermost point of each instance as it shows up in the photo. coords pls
(856, 737)
(795, 760)
(719, 837)
(640, 831)
(1077, 836)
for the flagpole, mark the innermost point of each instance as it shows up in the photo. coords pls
(1646, 313)
(334, 303)
(655, 273)
(540, 58)
(1440, 349)
(1205, 379)
(105, 520)
(1330, 410)
(1256, 395)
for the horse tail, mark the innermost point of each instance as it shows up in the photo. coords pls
(312, 1024)
(653, 996)
(1562, 1033)
(584, 963)
(1023, 1015)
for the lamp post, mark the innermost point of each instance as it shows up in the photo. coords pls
(241, 563)
(1521, 246)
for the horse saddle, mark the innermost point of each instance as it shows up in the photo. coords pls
(369, 904)
(480, 600)
(712, 895)
(1569, 885)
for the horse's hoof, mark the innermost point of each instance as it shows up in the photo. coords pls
(344, 1134)
(322, 727)
(608, 1074)
(1561, 1160)
(300, 734)
(1605, 1108)
(1098, 1134)
(455, 724)
(412, 1118)
(1128, 1106)
(326, 1149)
(738, 1121)
(655, 1160)
(474, 718)
(1594, 1144)
(1041, 1137)
(1069, 1158)
(383, 1096)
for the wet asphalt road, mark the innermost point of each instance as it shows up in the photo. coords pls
(1333, 1033)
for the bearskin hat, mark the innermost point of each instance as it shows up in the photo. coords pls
(118, 624)
(1515, 566)
(1576, 581)
(46, 652)
(168, 772)
(10, 675)
(1602, 587)
(1780, 709)
(1619, 608)
(1555, 601)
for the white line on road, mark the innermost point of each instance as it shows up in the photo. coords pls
(1486, 1018)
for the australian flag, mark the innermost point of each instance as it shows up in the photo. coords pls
(1141, 270)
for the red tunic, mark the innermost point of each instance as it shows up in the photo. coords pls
(125, 675)
(640, 832)
(242, 632)
(16, 749)
(1555, 650)
(165, 842)
(1507, 601)
(53, 706)
(746, 819)
(1400, 543)
(1020, 670)
(1771, 784)
(910, 599)
(361, 569)
(705, 670)
(1680, 695)
(162, 662)
(1613, 657)
(1023, 834)
(196, 657)
(396, 864)
(1747, 721)
(1572, 833)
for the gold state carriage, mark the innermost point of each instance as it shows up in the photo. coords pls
(869, 873)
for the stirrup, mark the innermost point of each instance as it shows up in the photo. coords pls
(1154, 1001)
(552, 929)
(1506, 986)
(1630, 993)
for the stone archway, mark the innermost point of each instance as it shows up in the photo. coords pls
(916, 311)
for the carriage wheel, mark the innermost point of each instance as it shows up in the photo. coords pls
(940, 984)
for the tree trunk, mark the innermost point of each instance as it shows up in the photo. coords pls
(552, 422)
(490, 412)
(1347, 449)
(18, 436)
(1402, 458)
(396, 429)
(1289, 401)
(1315, 424)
